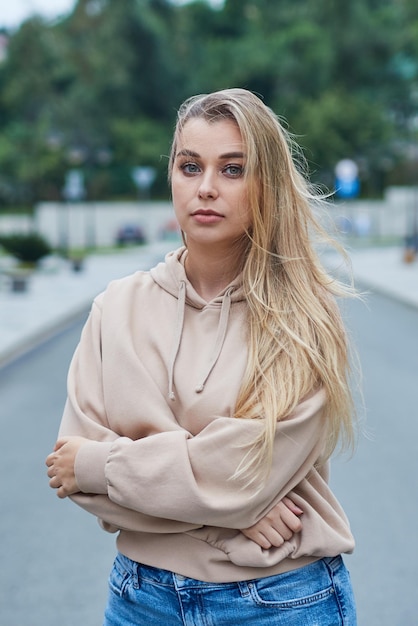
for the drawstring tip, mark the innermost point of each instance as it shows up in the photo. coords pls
(199, 389)
(171, 395)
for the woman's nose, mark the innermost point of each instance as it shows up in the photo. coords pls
(208, 187)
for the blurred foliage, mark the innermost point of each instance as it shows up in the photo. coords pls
(99, 89)
(27, 248)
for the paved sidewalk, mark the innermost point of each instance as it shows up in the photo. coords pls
(381, 270)
(58, 294)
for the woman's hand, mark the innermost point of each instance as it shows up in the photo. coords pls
(277, 526)
(60, 465)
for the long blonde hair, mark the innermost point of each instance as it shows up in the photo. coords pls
(297, 341)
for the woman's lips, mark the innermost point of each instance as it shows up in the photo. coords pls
(209, 216)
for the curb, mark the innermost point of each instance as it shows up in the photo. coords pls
(383, 274)
(43, 333)
(392, 294)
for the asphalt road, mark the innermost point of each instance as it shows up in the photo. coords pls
(378, 486)
(55, 559)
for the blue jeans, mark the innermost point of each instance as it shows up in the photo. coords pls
(319, 594)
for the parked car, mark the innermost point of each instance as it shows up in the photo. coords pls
(130, 234)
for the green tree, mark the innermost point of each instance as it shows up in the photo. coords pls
(99, 89)
(28, 166)
(324, 128)
(69, 87)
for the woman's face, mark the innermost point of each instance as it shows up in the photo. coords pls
(208, 183)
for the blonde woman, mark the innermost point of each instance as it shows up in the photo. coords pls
(207, 395)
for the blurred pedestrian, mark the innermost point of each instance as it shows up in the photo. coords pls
(207, 395)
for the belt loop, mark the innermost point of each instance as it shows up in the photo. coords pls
(244, 588)
(137, 582)
(333, 562)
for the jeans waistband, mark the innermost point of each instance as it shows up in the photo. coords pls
(178, 581)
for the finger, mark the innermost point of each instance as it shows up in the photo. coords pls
(59, 443)
(278, 534)
(51, 471)
(281, 517)
(291, 521)
(55, 483)
(60, 493)
(285, 524)
(263, 541)
(277, 539)
(268, 535)
(257, 537)
(50, 459)
(292, 506)
(271, 537)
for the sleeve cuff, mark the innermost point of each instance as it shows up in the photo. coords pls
(90, 465)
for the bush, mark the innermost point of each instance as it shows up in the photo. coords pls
(27, 248)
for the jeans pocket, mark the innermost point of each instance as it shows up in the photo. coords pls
(277, 597)
(309, 595)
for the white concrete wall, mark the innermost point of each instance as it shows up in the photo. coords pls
(392, 216)
(88, 224)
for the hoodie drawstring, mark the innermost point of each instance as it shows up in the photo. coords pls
(220, 337)
(178, 331)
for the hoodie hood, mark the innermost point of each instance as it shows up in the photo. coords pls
(171, 277)
(171, 273)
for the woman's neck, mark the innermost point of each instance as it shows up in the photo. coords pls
(210, 272)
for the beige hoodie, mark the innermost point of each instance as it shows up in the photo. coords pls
(153, 384)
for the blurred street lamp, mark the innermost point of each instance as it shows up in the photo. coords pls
(143, 177)
(347, 183)
(73, 191)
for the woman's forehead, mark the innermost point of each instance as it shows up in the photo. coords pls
(222, 135)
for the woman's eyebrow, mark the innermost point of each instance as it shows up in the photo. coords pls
(187, 153)
(228, 155)
(232, 155)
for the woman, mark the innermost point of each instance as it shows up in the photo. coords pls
(206, 396)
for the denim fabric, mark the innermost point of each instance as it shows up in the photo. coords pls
(319, 594)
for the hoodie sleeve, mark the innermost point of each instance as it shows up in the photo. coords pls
(173, 475)
(84, 415)
(190, 478)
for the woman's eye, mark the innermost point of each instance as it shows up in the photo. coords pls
(235, 171)
(190, 168)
